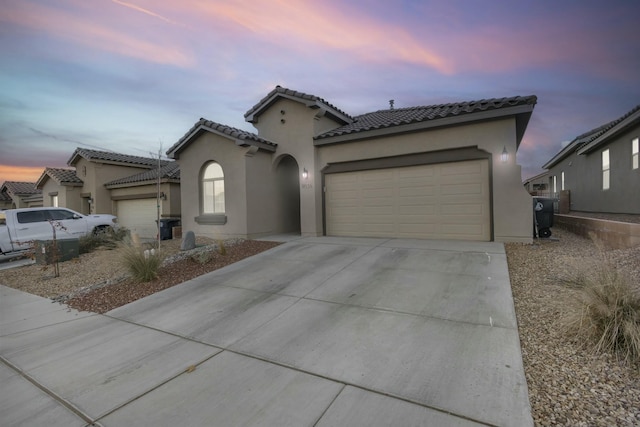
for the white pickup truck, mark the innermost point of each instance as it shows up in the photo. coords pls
(19, 228)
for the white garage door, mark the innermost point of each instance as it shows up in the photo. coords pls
(441, 201)
(139, 216)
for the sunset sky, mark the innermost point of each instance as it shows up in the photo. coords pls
(133, 76)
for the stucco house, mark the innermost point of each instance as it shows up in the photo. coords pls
(60, 187)
(538, 185)
(141, 197)
(15, 194)
(438, 172)
(599, 170)
(118, 184)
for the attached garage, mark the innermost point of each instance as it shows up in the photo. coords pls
(139, 216)
(434, 201)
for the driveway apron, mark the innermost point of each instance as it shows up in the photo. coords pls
(318, 331)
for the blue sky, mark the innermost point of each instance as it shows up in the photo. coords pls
(131, 76)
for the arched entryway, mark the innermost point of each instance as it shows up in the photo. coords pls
(288, 195)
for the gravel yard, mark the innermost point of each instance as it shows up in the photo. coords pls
(568, 385)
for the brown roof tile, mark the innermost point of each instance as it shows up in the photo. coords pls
(111, 157)
(20, 188)
(208, 125)
(402, 116)
(304, 97)
(168, 171)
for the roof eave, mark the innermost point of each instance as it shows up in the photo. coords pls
(111, 186)
(336, 115)
(514, 111)
(605, 137)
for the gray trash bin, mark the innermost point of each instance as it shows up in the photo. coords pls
(166, 227)
(542, 216)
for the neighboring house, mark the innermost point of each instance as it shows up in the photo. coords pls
(442, 172)
(140, 198)
(117, 184)
(20, 195)
(5, 201)
(538, 185)
(60, 187)
(600, 168)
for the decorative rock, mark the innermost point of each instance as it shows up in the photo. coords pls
(188, 241)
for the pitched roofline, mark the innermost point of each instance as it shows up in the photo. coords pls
(239, 137)
(625, 122)
(565, 152)
(310, 101)
(47, 175)
(533, 178)
(521, 112)
(588, 141)
(90, 155)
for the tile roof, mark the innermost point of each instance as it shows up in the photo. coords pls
(20, 188)
(403, 116)
(586, 138)
(168, 171)
(234, 133)
(60, 176)
(111, 157)
(310, 100)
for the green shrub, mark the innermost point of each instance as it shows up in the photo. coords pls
(606, 312)
(202, 257)
(143, 264)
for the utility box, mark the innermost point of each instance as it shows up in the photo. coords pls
(64, 250)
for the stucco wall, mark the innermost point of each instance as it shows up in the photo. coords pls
(206, 148)
(583, 177)
(295, 138)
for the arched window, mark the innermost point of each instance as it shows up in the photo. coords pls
(213, 189)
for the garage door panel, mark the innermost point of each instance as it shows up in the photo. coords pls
(139, 216)
(431, 201)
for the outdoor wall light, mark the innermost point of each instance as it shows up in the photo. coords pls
(505, 155)
(163, 196)
(305, 173)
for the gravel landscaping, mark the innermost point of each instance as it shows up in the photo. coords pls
(568, 384)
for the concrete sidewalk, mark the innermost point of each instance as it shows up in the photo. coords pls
(318, 331)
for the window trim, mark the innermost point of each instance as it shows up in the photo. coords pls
(635, 148)
(606, 170)
(203, 200)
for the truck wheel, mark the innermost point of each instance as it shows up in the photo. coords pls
(102, 229)
(544, 232)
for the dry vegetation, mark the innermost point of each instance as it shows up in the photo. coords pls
(570, 382)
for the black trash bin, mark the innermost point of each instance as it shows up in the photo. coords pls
(166, 227)
(542, 216)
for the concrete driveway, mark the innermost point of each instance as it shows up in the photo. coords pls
(316, 332)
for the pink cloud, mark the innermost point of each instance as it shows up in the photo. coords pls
(322, 26)
(96, 31)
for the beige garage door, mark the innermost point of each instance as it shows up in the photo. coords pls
(139, 216)
(441, 201)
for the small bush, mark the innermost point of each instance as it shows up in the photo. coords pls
(106, 239)
(202, 257)
(142, 264)
(222, 250)
(606, 312)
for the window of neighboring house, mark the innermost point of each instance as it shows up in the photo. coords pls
(554, 184)
(606, 170)
(562, 181)
(634, 153)
(213, 189)
(54, 201)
